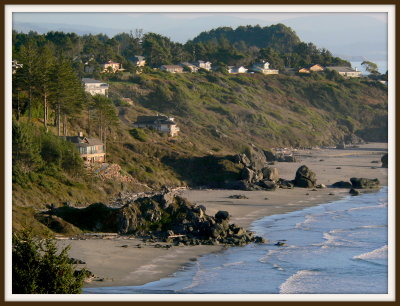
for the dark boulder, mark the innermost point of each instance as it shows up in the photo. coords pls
(257, 158)
(222, 215)
(285, 184)
(242, 159)
(342, 184)
(354, 192)
(248, 175)
(384, 161)
(364, 183)
(269, 155)
(305, 177)
(270, 174)
(267, 185)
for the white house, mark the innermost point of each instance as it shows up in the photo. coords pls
(203, 65)
(95, 87)
(263, 67)
(345, 71)
(233, 69)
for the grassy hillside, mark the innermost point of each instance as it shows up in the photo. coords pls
(218, 115)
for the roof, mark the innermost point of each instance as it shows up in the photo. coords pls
(188, 64)
(172, 67)
(91, 81)
(83, 141)
(342, 69)
(159, 119)
(139, 58)
(110, 62)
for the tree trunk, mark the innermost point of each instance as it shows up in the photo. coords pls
(30, 105)
(18, 107)
(88, 128)
(45, 111)
(59, 119)
(65, 125)
(105, 145)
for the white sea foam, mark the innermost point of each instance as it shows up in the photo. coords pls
(380, 253)
(308, 219)
(296, 282)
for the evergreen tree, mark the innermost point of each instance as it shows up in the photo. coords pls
(46, 61)
(28, 58)
(67, 94)
(38, 267)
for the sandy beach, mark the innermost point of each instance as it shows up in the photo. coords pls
(121, 262)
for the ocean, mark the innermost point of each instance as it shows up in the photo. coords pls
(335, 248)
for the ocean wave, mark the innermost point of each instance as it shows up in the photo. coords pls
(295, 283)
(380, 253)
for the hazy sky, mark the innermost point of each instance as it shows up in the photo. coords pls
(345, 34)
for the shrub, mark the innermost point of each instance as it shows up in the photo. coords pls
(38, 268)
(138, 134)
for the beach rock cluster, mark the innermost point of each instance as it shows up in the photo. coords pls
(164, 216)
(260, 176)
(358, 183)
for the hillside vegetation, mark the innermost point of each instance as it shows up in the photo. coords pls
(219, 114)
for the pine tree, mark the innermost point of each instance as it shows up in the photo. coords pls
(66, 93)
(46, 61)
(28, 56)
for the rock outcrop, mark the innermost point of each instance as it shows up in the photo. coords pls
(364, 183)
(342, 184)
(164, 216)
(305, 177)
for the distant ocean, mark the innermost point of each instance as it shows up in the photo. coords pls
(339, 248)
(382, 66)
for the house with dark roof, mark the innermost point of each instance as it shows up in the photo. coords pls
(90, 149)
(161, 123)
(345, 71)
(95, 87)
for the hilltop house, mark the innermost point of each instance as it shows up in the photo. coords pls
(90, 149)
(233, 69)
(346, 72)
(160, 123)
(172, 68)
(263, 67)
(95, 87)
(203, 65)
(111, 66)
(304, 70)
(316, 68)
(139, 61)
(311, 68)
(191, 67)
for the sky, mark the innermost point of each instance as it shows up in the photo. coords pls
(350, 35)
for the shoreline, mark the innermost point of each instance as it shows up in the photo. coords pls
(120, 262)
